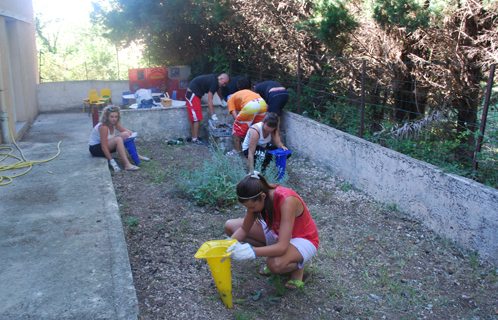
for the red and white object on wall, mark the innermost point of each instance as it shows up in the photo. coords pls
(137, 79)
(157, 78)
(178, 81)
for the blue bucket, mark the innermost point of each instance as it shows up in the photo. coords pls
(132, 150)
(280, 160)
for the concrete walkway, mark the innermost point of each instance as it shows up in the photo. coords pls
(62, 250)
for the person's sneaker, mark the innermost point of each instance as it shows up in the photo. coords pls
(199, 143)
(233, 153)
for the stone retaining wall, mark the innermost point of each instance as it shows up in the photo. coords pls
(452, 206)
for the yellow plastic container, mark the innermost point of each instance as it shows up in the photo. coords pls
(213, 251)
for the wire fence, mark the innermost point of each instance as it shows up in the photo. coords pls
(445, 114)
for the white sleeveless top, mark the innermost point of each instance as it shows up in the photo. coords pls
(95, 137)
(262, 142)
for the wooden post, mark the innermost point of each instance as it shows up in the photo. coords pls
(484, 116)
(362, 117)
(298, 82)
(261, 67)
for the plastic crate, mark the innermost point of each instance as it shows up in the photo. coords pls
(224, 131)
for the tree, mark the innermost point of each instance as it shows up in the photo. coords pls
(79, 52)
(405, 35)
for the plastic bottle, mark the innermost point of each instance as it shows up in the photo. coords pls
(174, 141)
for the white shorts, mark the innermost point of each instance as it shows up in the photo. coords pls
(304, 246)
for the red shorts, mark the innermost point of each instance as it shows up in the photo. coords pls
(194, 108)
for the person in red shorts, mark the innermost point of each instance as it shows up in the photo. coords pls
(279, 226)
(198, 87)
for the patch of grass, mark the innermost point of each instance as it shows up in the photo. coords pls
(346, 186)
(160, 177)
(118, 197)
(131, 221)
(474, 260)
(244, 316)
(152, 170)
(278, 283)
(393, 206)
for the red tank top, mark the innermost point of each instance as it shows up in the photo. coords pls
(304, 226)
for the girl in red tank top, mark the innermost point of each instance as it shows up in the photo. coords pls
(277, 225)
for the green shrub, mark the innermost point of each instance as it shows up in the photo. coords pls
(131, 221)
(214, 183)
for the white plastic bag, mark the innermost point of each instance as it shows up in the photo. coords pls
(142, 94)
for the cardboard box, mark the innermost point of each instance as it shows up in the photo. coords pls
(166, 102)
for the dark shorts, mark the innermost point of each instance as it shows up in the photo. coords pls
(276, 101)
(96, 151)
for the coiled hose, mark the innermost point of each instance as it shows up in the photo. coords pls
(22, 163)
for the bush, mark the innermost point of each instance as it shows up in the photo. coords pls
(214, 183)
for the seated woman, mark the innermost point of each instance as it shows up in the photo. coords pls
(279, 226)
(247, 108)
(108, 136)
(257, 141)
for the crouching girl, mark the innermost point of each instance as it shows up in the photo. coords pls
(277, 225)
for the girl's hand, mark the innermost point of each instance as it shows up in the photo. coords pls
(284, 148)
(242, 251)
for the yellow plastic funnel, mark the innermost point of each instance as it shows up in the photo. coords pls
(213, 251)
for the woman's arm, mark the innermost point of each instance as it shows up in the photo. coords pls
(275, 138)
(253, 143)
(103, 130)
(121, 129)
(288, 215)
(241, 233)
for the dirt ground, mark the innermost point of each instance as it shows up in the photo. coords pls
(373, 262)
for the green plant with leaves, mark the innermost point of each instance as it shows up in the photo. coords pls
(131, 221)
(279, 284)
(214, 183)
(244, 316)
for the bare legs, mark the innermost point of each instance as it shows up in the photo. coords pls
(256, 236)
(194, 129)
(237, 143)
(117, 143)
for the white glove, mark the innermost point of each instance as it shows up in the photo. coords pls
(114, 165)
(224, 104)
(242, 251)
(214, 117)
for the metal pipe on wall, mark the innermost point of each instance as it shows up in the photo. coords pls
(4, 114)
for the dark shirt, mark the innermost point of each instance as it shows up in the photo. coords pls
(263, 88)
(231, 87)
(203, 84)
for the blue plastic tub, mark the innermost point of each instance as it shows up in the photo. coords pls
(132, 150)
(280, 160)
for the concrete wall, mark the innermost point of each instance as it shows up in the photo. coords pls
(168, 123)
(455, 207)
(69, 95)
(18, 68)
